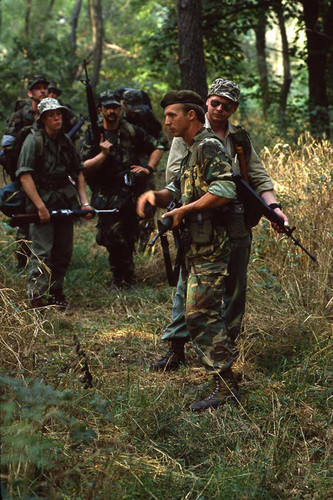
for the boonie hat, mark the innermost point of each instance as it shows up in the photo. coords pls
(182, 97)
(225, 88)
(37, 79)
(108, 97)
(49, 104)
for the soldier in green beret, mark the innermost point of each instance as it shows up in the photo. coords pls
(205, 189)
(222, 102)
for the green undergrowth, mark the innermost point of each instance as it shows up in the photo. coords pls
(82, 417)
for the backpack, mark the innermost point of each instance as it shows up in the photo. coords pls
(12, 196)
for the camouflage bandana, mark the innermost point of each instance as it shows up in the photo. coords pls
(225, 88)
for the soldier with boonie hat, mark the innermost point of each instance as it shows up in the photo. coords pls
(49, 104)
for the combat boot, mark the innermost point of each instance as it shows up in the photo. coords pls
(226, 389)
(173, 359)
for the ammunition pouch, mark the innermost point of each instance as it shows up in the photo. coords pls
(237, 227)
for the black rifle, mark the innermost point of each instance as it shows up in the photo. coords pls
(91, 108)
(77, 127)
(63, 213)
(246, 192)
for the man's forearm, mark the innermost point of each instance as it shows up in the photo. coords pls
(155, 157)
(31, 191)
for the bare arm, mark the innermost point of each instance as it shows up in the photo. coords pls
(153, 161)
(94, 163)
(29, 187)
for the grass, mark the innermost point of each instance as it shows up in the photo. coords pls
(131, 435)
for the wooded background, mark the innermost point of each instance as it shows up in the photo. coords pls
(279, 51)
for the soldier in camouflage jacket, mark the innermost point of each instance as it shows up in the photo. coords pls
(205, 188)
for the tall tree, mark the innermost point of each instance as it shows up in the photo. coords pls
(191, 49)
(96, 20)
(318, 18)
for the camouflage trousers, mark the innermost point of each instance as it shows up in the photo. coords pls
(234, 297)
(203, 284)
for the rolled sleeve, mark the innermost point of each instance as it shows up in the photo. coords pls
(225, 189)
(26, 161)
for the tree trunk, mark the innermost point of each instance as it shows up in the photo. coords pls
(260, 31)
(318, 18)
(96, 19)
(191, 50)
(284, 91)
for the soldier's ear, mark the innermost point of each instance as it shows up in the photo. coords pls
(192, 114)
(29, 94)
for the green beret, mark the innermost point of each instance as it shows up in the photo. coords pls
(182, 97)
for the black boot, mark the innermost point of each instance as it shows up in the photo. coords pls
(226, 389)
(174, 358)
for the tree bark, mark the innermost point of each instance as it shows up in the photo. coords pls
(285, 87)
(318, 18)
(260, 31)
(191, 50)
(96, 19)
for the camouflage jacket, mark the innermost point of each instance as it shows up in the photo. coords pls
(205, 168)
(113, 184)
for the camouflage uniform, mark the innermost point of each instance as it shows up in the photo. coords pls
(114, 186)
(54, 174)
(234, 295)
(206, 168)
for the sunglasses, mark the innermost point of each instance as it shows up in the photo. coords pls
(215, 104)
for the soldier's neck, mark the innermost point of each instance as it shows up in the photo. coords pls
(113, 127)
